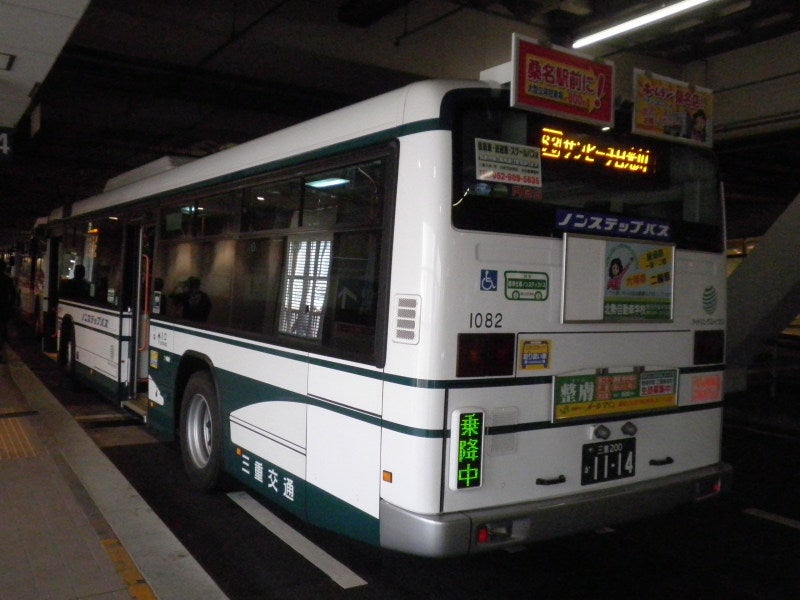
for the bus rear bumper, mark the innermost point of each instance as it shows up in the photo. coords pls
(459, 533)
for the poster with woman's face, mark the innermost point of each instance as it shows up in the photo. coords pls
(638, 282)
(671, 109)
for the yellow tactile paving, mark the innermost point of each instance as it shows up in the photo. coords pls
(137, 586)
(14, 440)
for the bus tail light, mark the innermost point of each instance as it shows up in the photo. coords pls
(494, 532)
(708, 489)
(485, 354)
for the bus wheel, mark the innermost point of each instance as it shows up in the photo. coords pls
(201, 432)
(66, 350)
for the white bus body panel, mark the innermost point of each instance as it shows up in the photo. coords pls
(344, 458)
(282, 372)
(419, 262)
(101, 339)
(347, 389)
(410, 457)
(275, 430)
(690, 440)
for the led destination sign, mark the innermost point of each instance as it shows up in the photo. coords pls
(594, 150)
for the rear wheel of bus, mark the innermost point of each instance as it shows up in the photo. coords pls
(201, 432)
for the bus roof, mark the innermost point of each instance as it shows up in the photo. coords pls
(415, 102)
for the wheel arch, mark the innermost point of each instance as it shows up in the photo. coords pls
(191, 363)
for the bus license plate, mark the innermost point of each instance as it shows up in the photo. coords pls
(606, 461)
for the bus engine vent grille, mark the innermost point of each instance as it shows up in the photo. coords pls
(406, 323)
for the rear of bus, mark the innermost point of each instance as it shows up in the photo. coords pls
(570, 302)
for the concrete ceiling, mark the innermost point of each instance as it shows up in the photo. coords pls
(97, 88)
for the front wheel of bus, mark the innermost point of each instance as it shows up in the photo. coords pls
(201, 432)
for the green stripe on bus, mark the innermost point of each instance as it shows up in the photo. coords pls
(437, 384)
(240, 391)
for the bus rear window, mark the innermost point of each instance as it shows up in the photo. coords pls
(524, 173)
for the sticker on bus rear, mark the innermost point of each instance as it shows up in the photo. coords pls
(534, 355)
(527, 285)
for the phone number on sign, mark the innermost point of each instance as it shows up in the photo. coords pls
(513, 178)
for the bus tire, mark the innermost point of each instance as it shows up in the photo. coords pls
(201, 432)
(66, 350)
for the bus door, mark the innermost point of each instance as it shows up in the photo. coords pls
(138, 259)
(50, 296)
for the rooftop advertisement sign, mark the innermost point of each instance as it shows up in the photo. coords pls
(670, 109)
(552, 81)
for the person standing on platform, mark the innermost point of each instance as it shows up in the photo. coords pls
(6, 306)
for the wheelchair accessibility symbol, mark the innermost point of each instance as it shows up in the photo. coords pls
(488, 280)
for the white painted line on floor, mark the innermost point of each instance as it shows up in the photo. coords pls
(762, 514)
(304, 547)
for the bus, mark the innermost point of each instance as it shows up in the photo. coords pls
(29, 277)
(24, 261)
(427, 321)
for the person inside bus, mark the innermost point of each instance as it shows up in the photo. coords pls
(101, 290)
(7, 298)
(194, 303)
(76, 288)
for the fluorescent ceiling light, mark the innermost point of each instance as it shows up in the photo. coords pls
(646, 19)
(329, 182)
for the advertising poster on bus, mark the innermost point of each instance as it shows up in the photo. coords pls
(507, 163)
(582, 396)
(671, 109)
(560, 83)
(638, 282)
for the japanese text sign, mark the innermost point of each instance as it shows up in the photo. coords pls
(595, 152)
(581, 221)
(467, 449)
(552, 81)
(582, 396)
(507, 163)
(671, 109)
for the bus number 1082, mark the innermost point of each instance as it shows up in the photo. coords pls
(485, 320)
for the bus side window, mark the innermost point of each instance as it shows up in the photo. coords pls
(218, 214)
(305, 287)
(271, 206)
(354, 278)
(345, 196)
(257, 284)
(216, 271)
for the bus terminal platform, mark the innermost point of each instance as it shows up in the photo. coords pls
(71, 526)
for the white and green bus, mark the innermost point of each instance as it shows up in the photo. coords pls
(428, 321)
